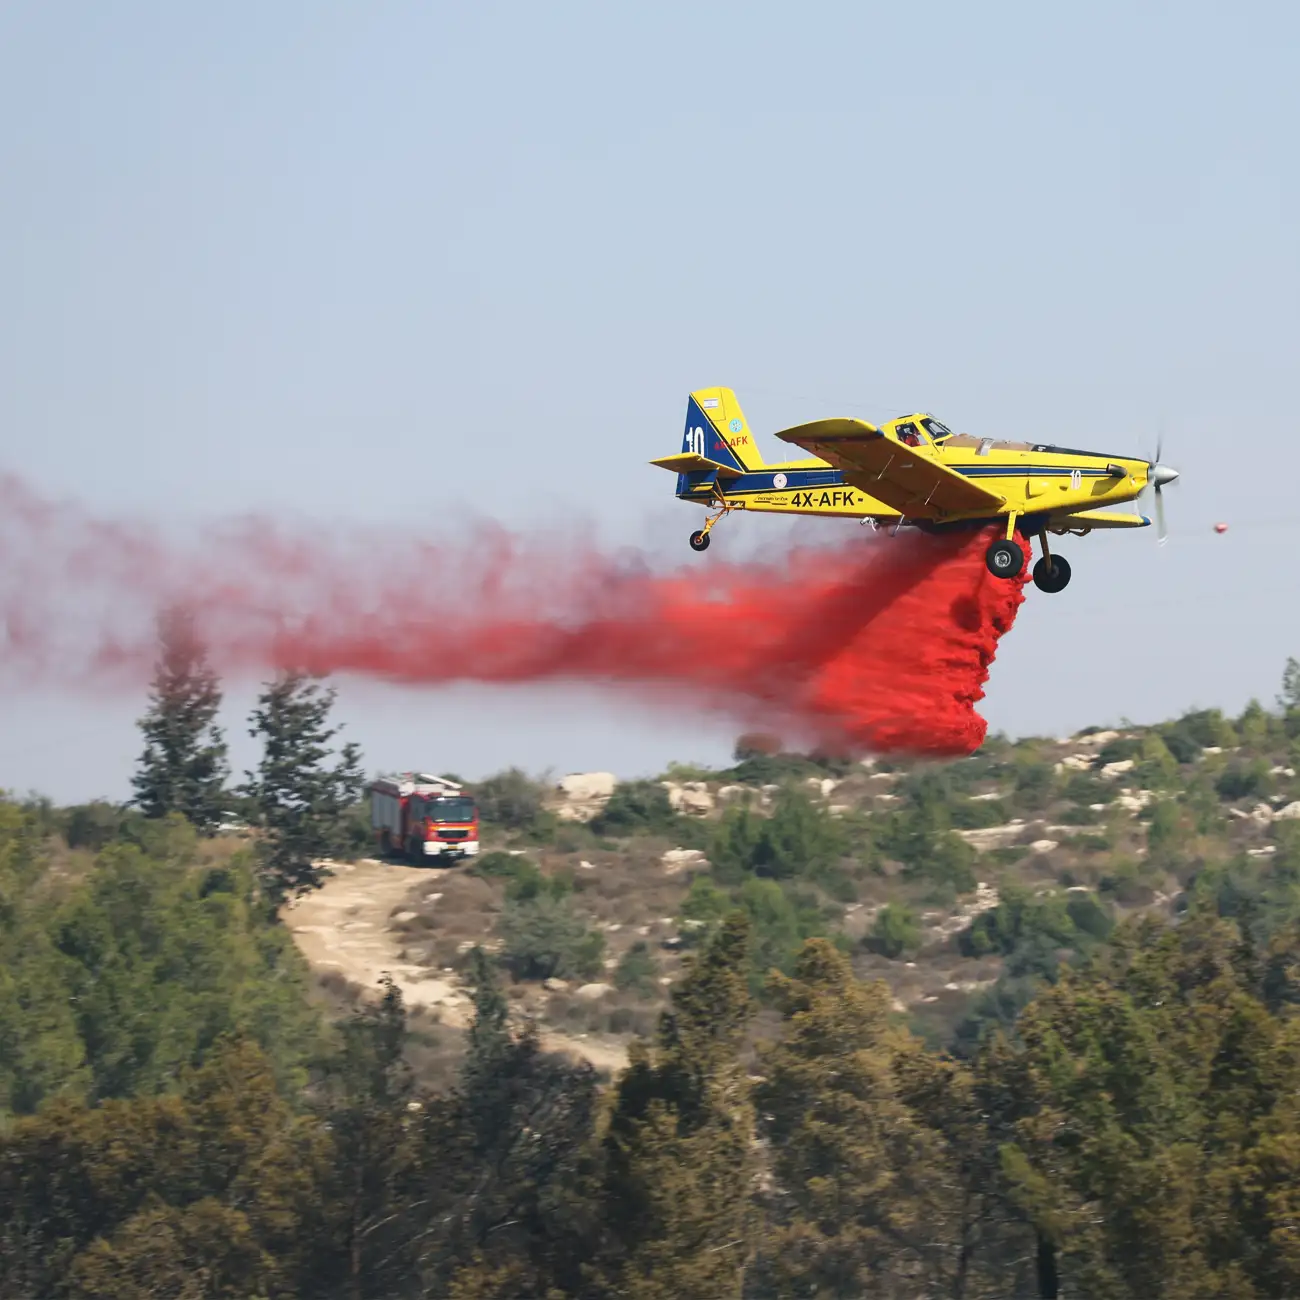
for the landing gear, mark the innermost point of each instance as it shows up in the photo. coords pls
(1052, 573)
(700, 539)
(1005, 559)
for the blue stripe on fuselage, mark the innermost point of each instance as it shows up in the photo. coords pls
(762, 481)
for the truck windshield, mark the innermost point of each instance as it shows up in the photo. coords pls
(451, 810)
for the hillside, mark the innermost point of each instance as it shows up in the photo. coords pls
(960, 884)
(781, 977)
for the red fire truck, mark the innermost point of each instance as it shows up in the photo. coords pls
(422, 816)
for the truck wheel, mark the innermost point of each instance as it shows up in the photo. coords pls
(385, 844)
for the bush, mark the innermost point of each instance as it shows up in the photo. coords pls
(497, 865)
(1244, 780)
(1181, 744)
(93, 826)
(780, 919)
(1034, 786)
(1083, 788)
(799, 839)
(510, 799)
(945, 860)
(1123, 882)
(1089, 917)
(635, 807)
(1118, 751)
(704, 906)
(896, 932)
(1018, 919)
(637, 970)
(968, 815)
(543, 937)
(1206, 728)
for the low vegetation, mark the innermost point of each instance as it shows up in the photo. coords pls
(1024, 1024)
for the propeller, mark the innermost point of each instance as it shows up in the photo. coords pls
(1158, 474)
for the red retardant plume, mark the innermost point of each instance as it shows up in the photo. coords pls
(876, 645)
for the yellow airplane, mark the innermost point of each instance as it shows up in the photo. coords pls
(911, 472)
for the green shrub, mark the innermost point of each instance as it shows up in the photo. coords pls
(1089, 917)
(1119, 750)
(896, 932)
(543, 937)
(945, 860)
(1248, 780)
(1086, 788)
(635, 807)
(968, 815)
(705, 905)
(1123, 882)
(1036, 928)
(93, 826)
(494, 866)
(510, 799)
(637, 969)
(799, 839)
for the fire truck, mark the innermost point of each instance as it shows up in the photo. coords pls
(421, 816)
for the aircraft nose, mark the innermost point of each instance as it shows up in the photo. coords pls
(1162, 474)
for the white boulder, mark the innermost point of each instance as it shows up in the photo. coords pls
(676, 860)
(984, 838)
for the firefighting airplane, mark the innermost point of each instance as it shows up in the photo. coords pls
(912, 472)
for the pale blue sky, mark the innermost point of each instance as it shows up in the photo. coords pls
(408, 262)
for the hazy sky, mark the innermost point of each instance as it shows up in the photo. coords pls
(413, 262)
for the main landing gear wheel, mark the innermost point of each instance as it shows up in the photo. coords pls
(1052, 573)
(700, 541)
(1005, 560)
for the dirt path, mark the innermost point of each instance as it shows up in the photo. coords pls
(344, 927)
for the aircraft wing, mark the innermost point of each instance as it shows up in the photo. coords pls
(687, 462)
(911, 483)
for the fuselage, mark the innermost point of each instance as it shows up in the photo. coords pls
(1040, 483)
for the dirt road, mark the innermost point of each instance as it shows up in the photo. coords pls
(345, 927)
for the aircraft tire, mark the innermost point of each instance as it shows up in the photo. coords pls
(1052, 577)
(700, 541)
(1005, 560)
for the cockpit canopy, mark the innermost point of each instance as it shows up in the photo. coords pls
(920, 430)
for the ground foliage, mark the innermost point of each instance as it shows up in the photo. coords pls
(1115, 1119)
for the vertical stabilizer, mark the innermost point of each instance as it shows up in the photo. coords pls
(717, 429)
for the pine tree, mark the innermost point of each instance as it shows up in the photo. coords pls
(302, 799)
(680, 1150)
(372, 1185)
(863, 1197)
(510, 1205)
(183, 768)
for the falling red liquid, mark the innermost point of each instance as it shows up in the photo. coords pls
(877, 645)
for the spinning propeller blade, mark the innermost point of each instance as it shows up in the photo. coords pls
(1157, 476)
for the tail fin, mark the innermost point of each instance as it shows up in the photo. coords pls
(717, 429)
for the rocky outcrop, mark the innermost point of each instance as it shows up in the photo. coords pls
(584, 794)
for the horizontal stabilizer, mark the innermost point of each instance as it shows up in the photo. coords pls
(687, 462)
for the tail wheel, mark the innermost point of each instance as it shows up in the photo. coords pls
(1052, 573)
(1005, 560)
(700, 541)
